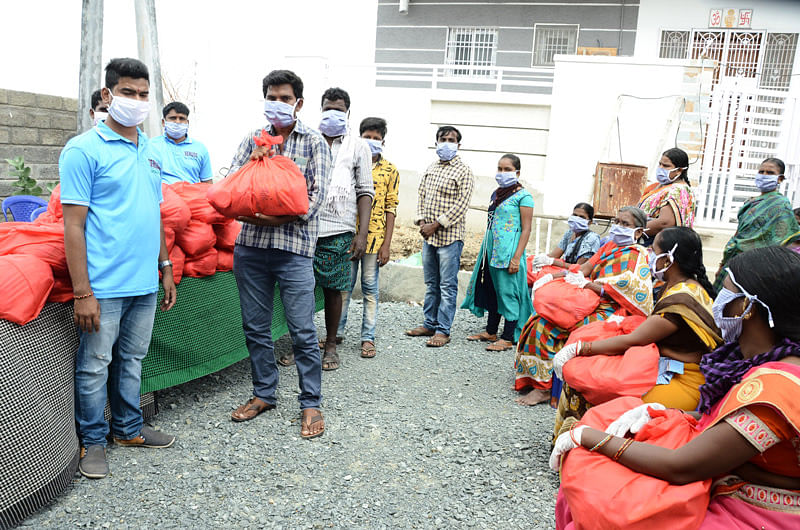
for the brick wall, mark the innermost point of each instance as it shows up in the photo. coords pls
(35, 126)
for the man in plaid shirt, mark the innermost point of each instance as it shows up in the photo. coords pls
(273, 249)
(444, 194)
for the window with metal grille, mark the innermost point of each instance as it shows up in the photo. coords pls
(550, 39)
(674, 44)
(471, 47)
(777, 59)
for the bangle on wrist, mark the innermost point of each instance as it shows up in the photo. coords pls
(83, 296)
(624, 447)
(601, 443)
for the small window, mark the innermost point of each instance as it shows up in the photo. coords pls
(549, 40)
(674, 44)
(471, 47)
(777, 60)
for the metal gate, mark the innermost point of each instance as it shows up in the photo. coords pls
(737, 52)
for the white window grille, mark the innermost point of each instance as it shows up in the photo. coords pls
(778, 57)
(550, 39)
(471, 47)
(674, 44)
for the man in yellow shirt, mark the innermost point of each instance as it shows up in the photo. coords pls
(386, 180)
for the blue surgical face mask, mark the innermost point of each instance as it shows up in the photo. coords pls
(731, 327)
(176, 130)
(662, 175)
(622, 236)
(658, 274)
(279, 114)
(333, 123)
(375, 146)
(506, 178)
(766, 182)
(578, 224)
(446, 150)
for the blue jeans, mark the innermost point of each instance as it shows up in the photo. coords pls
(440, 268)
(111, 359)
(369, 293)
(256, 271)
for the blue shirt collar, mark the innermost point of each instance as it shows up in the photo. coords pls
(105, 132)
(186, 140)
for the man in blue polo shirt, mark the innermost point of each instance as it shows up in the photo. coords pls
(182, 158)
(114, 241)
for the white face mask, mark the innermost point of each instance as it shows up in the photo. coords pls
(99, 116)
(128, 112)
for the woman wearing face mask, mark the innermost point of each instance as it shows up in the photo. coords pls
(618, 273)
(764, 220)
(669, 201)
(499, 280)
(749, 417)
(578, 244)
(681, 326)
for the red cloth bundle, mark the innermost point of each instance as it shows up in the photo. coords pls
(175, 213)
(227, 234)
(45, 241)
(224, 260)
(26, 282)
(196, 238)
(202, 265)
(194, 195)
(564, 304)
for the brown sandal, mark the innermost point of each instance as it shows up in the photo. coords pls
(420, 331)
(483, 337)
(330, 361)
(308, 420)
(500, 345)
(251, 409)
(339, 340)
(286, 359)
(437, 341)
(368, 349)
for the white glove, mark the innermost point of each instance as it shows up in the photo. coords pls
(542, 260)
(563, 445)
(547, 278)
(577, 279)
(633, 420)
(617, 319)
(565, 354)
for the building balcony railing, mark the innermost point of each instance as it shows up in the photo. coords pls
(465, 77)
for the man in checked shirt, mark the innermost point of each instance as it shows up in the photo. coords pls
(444, 194)
(273, 249)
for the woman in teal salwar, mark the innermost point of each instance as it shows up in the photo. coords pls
(499, 282)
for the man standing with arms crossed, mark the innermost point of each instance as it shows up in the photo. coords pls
(114, 242)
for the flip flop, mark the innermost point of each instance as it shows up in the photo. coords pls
(251, 409)
(483, 337)
(368, 349)
(286, 359)
(437, 341)
(330, 358)
(312, 420)
(339, 340)
(500, 345)
(420, 331)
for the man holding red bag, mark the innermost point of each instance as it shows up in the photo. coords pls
(280, 249)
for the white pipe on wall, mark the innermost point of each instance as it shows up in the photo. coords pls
(404, 7)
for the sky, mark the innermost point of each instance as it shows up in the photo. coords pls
(213, 53)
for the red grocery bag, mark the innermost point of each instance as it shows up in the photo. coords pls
(196, 238)
(203, 265)
(45, 241)
(54, 207)
(175, 213)
(270, 186)
(227, 234)
(62, 289)
(224, 260)
(25, 283)
(533, 276)
(564, 304)
(194, 195)
(603, 494)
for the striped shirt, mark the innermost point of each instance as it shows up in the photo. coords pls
(386, 180)
(444, 194)
(310, 152)
(330, 223)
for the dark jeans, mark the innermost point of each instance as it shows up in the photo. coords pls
(256, 271)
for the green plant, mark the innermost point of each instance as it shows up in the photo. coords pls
(25, 184)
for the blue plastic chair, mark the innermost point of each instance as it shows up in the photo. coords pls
(37, 212)
(22, 206)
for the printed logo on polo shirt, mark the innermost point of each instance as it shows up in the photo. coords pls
(190, 154)
(154, 164)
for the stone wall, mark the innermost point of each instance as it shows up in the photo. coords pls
(35, 126)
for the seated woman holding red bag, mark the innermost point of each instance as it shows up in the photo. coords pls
(681, 326)
(618, 273)
(748, 430)
(577, 246)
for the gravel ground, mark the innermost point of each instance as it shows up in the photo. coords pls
(415, 438)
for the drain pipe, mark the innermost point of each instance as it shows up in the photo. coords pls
(404, 7)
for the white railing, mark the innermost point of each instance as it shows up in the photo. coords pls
(445, 76)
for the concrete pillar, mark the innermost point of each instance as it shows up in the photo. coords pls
(89, 77)
(147, 42)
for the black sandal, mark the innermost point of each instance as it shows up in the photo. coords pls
(286, 359)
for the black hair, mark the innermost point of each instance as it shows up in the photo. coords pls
(772, 274)
(125, 67)
(444, 129)
(515, 161)
(689, 254)
(680, 159)
(796, 211)
(373, 124)
(177, 106)
(586, 207)
(283, 77)
(778, 162)
(96, 99)
(335, 94)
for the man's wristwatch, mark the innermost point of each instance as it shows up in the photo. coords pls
(165, 263)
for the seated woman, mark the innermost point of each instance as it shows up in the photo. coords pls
(764, 220)
(681, 326)
(669, 201)
(618, 272)
(578, 244)
(498, 283)
(749, 417)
